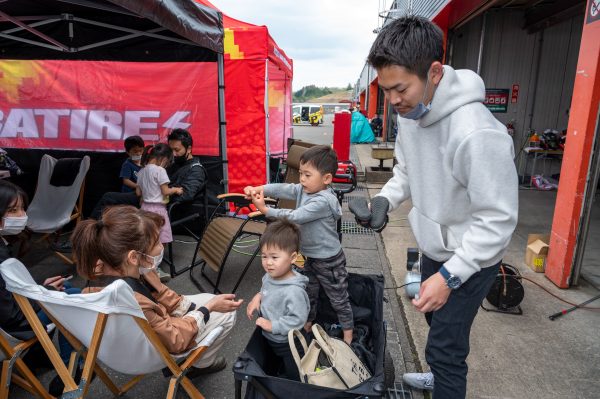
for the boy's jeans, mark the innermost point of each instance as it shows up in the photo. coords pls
(450, 326)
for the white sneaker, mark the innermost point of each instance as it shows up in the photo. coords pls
(164, 276)
(419, 380)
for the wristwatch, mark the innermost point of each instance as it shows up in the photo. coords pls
(452, 281)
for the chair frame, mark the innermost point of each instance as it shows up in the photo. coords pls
(90, 354)
(173, 270)
(76, 214)
(240, 203)
(25, 377)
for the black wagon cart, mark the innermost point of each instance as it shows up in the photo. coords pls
(256, 366)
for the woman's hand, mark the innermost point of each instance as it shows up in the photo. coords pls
(264, 324)
(223, 303)
(55, 282)
(253, 306)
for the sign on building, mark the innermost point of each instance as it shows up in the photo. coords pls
(496, 100)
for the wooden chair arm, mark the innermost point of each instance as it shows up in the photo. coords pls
(230, 195)
(255, 214)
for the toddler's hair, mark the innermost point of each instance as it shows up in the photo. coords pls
(133, 141)
(157, 151)
(321, 157)
(121, 229)
(281, 234)
(9, 193)
(182, 135)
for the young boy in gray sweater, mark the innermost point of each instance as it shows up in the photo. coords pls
(317, 212)
(282, 300)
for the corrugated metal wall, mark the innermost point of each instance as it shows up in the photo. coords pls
(427, 8)
(510, 56)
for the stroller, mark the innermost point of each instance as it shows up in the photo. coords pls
(258, 367)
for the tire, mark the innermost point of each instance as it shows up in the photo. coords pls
(389, 371)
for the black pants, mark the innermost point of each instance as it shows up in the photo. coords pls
(450, 326)
(289, 369)
(114, 198)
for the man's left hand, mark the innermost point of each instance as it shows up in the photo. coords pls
(433, 294)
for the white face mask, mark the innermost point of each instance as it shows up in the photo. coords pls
(13, 225)
(156, 261)
(136, 157)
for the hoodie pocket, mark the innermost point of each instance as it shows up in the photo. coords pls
(431, 236)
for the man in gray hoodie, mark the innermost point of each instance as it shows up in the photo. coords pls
(317, 212)
(282, 300)
(455, 162)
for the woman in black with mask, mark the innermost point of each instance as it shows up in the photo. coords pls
(13, 204)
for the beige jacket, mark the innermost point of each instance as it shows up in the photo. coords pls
(177, 333)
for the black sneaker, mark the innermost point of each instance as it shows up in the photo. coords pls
(56, 386)
(219, 364)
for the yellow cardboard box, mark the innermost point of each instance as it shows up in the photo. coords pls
(537, 251)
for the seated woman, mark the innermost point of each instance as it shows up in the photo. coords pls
(13, 203)
(124, 244)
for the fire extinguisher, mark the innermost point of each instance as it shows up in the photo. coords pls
(510, 127)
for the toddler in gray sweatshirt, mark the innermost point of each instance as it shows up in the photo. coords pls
(282, 301)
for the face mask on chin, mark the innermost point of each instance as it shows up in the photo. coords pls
(156, 261)
(13, 225)
(420, 110)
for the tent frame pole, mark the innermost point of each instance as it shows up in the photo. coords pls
(222, 120)
(267, 144)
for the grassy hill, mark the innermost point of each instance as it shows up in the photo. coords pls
(313, 93)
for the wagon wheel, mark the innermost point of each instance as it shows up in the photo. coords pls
(389, 372)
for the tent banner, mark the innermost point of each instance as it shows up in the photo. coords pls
(95, 105)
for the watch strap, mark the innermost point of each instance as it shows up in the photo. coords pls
(444, 272)
(205, 312)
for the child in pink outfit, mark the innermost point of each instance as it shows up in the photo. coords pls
(153, 185)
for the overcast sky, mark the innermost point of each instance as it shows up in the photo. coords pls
(328, 39)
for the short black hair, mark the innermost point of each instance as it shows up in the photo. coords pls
(181, 135)
(281, 234)
(321, 157)
(411, 42)
(9, 193)
(133, 141)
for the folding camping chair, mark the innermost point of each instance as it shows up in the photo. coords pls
(55, 203)
(220, 235)
(108, 327)
(12, 351)
(197, 214)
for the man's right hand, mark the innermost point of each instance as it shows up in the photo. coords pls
(373, 215)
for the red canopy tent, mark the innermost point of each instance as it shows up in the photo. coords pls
(81, 97)
(258, 95)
